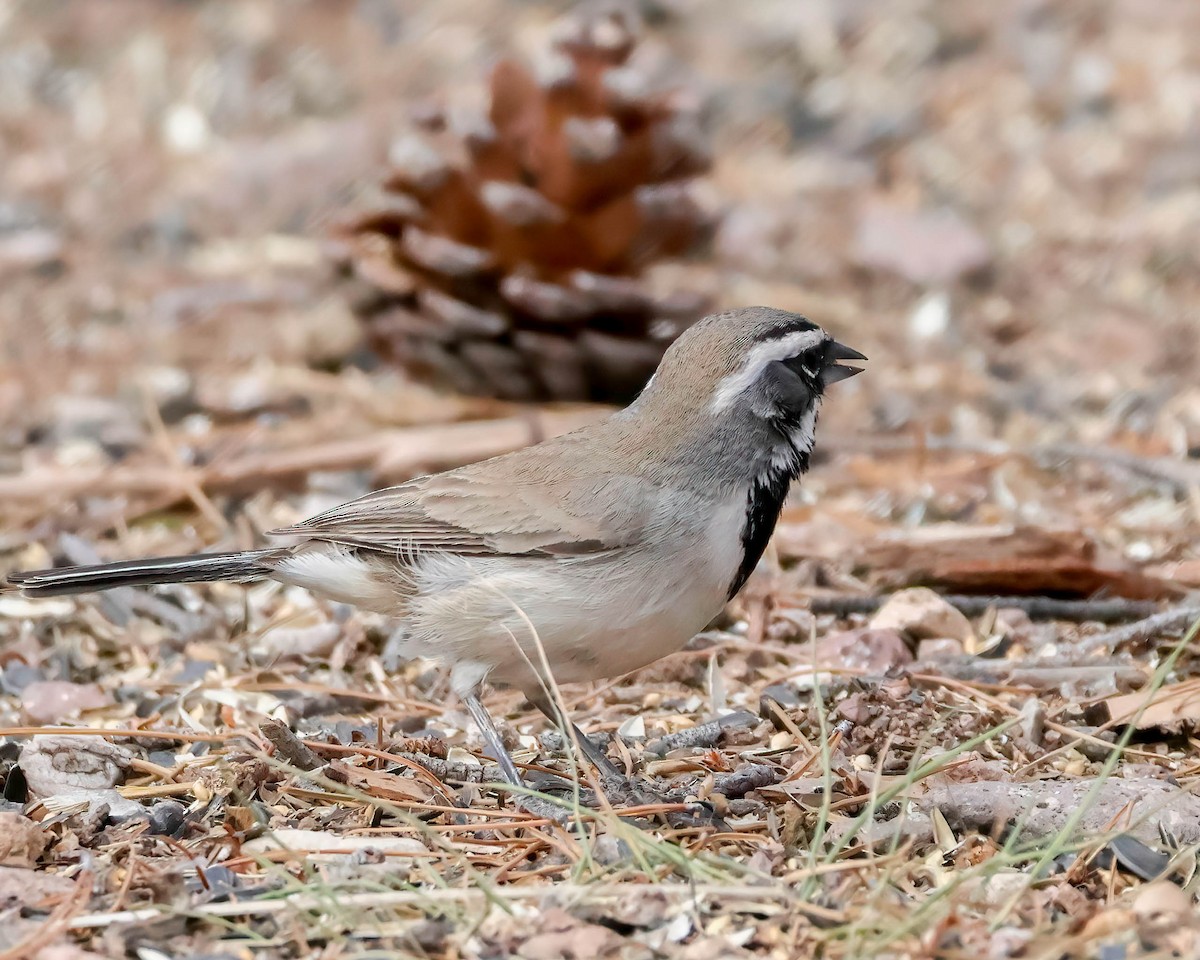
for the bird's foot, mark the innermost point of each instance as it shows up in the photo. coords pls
(623, 791)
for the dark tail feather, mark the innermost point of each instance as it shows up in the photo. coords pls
(198, 568)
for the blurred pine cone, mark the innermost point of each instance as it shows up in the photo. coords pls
(507, 255)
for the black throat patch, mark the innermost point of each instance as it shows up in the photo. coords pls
(763, 505)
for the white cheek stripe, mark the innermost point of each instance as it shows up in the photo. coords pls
(735, 384)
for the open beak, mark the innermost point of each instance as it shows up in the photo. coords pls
(834, 372)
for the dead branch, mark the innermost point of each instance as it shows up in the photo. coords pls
(451, 895)
(1038, 675)
(1115, 610)
(388, 454)
(1145, 809)
(455, 771)
(1167, 622)
(1180, 474)
(735, 785)
(702, 735)
(1042, 808)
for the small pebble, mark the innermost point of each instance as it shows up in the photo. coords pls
(609, 850)
(1161, 902)
(214, 882)
(167, 817)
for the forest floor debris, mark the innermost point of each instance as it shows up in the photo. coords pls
(1010, 772)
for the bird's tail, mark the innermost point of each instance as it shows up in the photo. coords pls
(238, 567)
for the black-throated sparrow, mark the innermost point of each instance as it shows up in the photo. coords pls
(585, 556)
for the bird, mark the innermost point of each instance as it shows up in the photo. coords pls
(585, 556)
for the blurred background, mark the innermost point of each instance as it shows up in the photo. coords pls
(258, 257)
(236, 242)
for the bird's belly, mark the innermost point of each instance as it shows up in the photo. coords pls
(587, 618)
(619, 633)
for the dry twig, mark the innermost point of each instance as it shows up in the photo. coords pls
(1159, 624)
(288, 747)
(1039, 608)
(1038, 675)
(703, 734)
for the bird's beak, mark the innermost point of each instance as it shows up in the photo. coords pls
(835, 372)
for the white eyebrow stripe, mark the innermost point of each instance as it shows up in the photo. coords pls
(733, 385)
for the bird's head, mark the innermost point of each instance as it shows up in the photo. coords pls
(757, 362)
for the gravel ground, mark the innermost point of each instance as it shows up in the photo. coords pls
(998, 203)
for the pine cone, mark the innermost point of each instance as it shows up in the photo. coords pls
(507, 256)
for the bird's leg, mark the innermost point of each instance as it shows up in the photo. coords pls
(616, 782)
(531, 804)
(593, 753)
(491, 737)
